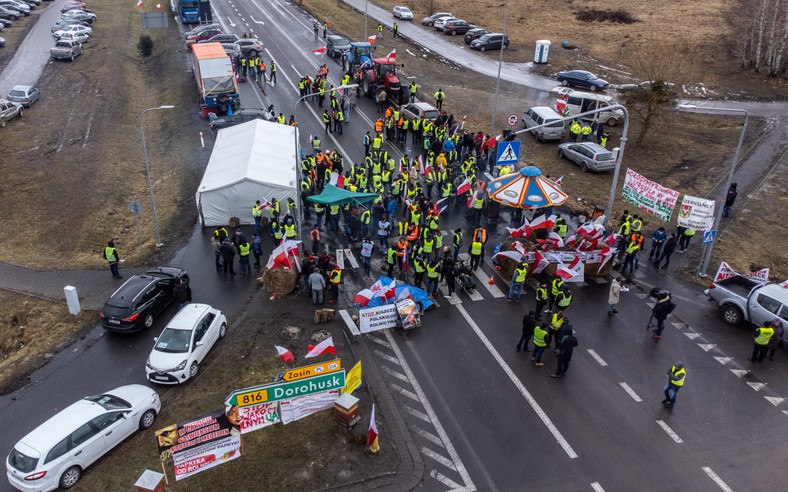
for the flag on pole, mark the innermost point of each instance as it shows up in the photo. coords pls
(511, 254)
(523, 230)
(324, 347)
(284, 354)
(392, 55)
(437, 206)
(540, 262)
(405, 294)
(337, 180)
(543, 222)
(567, 272)
(319, 51)
(372, 39)
(422, 170)
(364, 297)
(372, 435)
(139, 3)
(559, 181)
(471, 199)
(464, 187)
(158, 6)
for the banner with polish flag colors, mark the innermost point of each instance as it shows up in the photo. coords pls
(464, 187)
(319, 51)
(364, 297)
(284, 354)
(324, 347)
(574, 272)
(372, 39)
(337, 180)
(392, 55)
(372, 435)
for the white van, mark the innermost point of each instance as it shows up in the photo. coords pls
(542, 115)
(580, 102)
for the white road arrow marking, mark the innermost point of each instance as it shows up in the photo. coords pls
(757, 386)
(232, 24)
(641, 296)
(723, 360)
(678, 325)
(706, 346)
(774, 400)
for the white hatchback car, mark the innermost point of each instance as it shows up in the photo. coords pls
(184, 343)
(80, 37)
(56, 453)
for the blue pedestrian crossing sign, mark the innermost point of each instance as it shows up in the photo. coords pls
(708, 236)
(508, 152)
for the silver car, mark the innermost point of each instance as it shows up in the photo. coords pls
(66, 50)
(25, 95)
(403, 13)
(8, 111)
(589, 156)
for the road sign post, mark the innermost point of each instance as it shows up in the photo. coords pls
(512, 119)
(508, 153)
(136, 209)
(708, 236)
(287, 389)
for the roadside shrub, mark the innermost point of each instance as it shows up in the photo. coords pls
(615, 16)
(145, 46)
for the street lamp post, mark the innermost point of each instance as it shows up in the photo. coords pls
(500, 62)
(159, 244)
(706, 257)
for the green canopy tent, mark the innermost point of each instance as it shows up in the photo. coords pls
(332, 195)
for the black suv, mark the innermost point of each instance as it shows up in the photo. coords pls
(141, 298)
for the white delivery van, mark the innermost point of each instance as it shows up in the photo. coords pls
(580, 102)
(542, 115)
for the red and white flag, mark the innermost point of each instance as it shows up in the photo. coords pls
(319, 51)
(523, 230)
(364, 297)
(324, 347)
(389, 292)
(464, 187)
(784, 284)
(437, 206)
(372, 435)
(405, 294)
(540, 262)
(376, 287)
(158, 6)
(560, 105)
(543, 222)
(471, 199)
(404, 264)
(611, 240)
(139, 3)
(372, 39)
(280, 256)
(420, 161)
(556, 239)
(559, 181)
(514, 255)
(571, 241)
(567, 272)
(284, 354)
(724, 271)
(392, 55)
(337, 180)
(607, 254)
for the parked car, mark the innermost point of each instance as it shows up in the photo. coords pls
(9, 14)
(56, 453)
(2, 41)
(74, 6)
(438, 24)
(200, 29)
(80, 37)
(232, 49)
(4, 22)
(59, 25)
(73, 28)
(420, 110)
(746, 299)
(25, 95)
(582, 102)
(8, 111)
(403, 13)
(588, 155)
(32, 3)
(454, 27)
(475, 34)
(583, 79)
(140, 299)
(222, 38)
(490, 41)
(430, 21)
(80, 15)
(242, 116)
(543, 115)
(184, 343)
(250, 46)
(336, 45)
(19, 10)
(204, 35)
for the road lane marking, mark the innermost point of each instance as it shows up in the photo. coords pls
(485, 280)
(428, 436)
(437, 457)
(453, 300)
(706, 346)
(451, 484)
(402, 391)
(669, 431)
(717, 479)
(723, 360)
(678, 326)
(691, 335)
(419, 415)
(379, 341)
(774, 400)
(630, 392)
(757, 386)
(394, 373)
(257, 21)
(455, 458)
(739, 372)
(597, 487)
(387, 357)
(597, 357)
(519, 385)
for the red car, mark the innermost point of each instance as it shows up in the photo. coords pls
(205, 34)
(75, 6)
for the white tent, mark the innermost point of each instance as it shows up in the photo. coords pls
(252, 161)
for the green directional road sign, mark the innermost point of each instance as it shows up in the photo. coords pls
(286, 390)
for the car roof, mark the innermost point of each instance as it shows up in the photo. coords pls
(54, 430)
(422, 105)
(188, 316)
(774, 290)
(595, 147)
(21, 87)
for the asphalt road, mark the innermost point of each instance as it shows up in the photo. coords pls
(512, 426)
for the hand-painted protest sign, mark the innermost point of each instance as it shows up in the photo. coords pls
(377, 318)
(256, 417)
(696, 213)
(649, 196)
(303, 406)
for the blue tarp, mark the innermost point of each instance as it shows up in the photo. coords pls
(417, 294)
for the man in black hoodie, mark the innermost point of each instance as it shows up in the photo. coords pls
(667, 251)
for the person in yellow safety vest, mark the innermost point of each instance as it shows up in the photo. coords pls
(478, 206)
(244, 248)
(676, 376)
(603, 140)
(432, 223)
(320, 211)
(476, 250)
(439, 98)
(377, 142)
(456, 241)
(362, 182)
(564, 298)
(557, 321)
(574, 131)
(391, 259)
(110, 254)
(365, 219)
(290, 230)
(560, 227)
(541, 299)
(555, 287)
(415, 217)
(333, 217)
(439, 240)
(761, 337)
(637, 224)
(420, 267)
(275, 208)
(428, 246)
(335, 278)
(433, 274)
(586, 130)
(684, 240)
(340, 118)
(316, 144)
(277, 232)
(540, 343)
(413, 89)
(327, 121)
(376, 168)
(625, 227)
(518, 278)
(385, 178)
(257, 213)
(346, 79)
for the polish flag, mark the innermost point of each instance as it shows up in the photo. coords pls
(372, 435)
(405, 294)
(567, 272)
(523, 230)
(555, 238)
(464, 187)
(437, 208)
(324, 347)
(158, 6)
(392, 56)
(471, 199)
(364, 297)
(611, 240)
(376, 287)
(389, 292)
(540, 262)
(422, 170)
(139, 3)
(543, 222)
(571, 241)
(514, 255)
(404, 265)
(284, 354)
(607, 254)
(319, 51)
(372, 39)
(560, 105)
(337, 180)
(559, 181)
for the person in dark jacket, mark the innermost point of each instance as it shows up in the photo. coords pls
(667, 251)
(227, 250)
(729, 199)
(662, 309)
(565, 349)
(529, 322)
(181, 293)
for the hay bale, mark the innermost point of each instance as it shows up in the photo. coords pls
(278, 281)
(507, 264)
(593, 271)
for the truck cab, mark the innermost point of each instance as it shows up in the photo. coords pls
(745, 299)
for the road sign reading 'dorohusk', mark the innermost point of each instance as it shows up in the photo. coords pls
(284, 390)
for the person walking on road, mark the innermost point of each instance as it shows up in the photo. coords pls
(729, 199)
(541, 299)
(366, 253)
(565, 349)
(395, 28)
(761, 339)
(274, 69)
(227, 251)
(774, 342)
(676, 376)
(317, 284)
(439, 97)
(518, 278)
(113, 258)
(614, 295)
(529, 323)
(686, 236)
(257, 249)
(540, 343)
(660, 312)
(216, 241)
(181, 293)
(380, 30)
(658, 239)
(316, 28)
(667, 251)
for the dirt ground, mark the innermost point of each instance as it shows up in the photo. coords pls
(14, 36)
(311, 454)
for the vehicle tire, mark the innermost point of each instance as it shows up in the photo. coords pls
(593, 88)
(20, 113)
(2, 123)
(194, 369)
(253, 52)
(482, 48)
(147, 419)
(732, 314)
(565, 83)
(612, 122)
(72, 56)
(148, 322)
(13, 17)
(222, 330)
(453, 33)
(560, 153)
(70, 477)
(584, 167)
(366, 87)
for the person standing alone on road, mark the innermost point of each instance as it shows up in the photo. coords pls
(676, 376)
(113, 258)
(662, 309)
(729, 199)
(565, 349)
(613, 297)
(529, 323)
(317, 283)
(439, 97)
(380, 30)
(761, 337)
(395, 28)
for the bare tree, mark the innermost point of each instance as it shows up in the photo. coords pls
(766, 28)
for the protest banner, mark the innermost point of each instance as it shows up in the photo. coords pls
(256, 417)
(652, 197)
(303, 406)
(353, 381)
(696, 213)
(377, 318)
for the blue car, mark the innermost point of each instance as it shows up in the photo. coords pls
(583, 79)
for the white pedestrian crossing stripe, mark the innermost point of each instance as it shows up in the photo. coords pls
(723, 360)
(739, 372)
(484, 280)
(774, 400)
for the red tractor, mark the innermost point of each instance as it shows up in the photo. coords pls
(382, 75)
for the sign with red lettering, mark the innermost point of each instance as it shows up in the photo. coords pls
(303, 406)
(256, 417)
(649, 195)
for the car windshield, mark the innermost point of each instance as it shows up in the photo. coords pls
(109, 402)
(17, 93)
(21, 462)
(174, 341)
